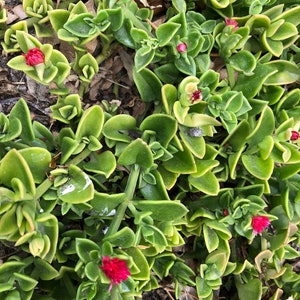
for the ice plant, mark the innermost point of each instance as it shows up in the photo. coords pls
(295, 135)
(181, 47)
(231, 22)
(260, 223)
(115, 269)
(34, 57)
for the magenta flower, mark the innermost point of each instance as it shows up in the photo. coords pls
(34, 57)
(295, 135)
(260, 223)
(115, 269)
(231, 22)
(181, 47)
(225, 212)
(196, 96)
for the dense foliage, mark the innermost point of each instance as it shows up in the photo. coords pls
(204, 189)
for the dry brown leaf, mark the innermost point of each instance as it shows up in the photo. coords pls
(19, 12)
(127, 61)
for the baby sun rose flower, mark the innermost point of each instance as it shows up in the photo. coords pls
(231, 22)
(181, 47)
(260, 223)
(34, 57)
(115, 269)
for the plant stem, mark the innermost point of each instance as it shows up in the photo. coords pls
(43, 187)
(129, 191)
(114, 294)
(80, 157)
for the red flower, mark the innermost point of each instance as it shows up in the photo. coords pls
(196, 96)
(260, 223)
(181, 47)
(34, 57)
(115, 269)
(231, 22)
(225, 212)
(295, 135)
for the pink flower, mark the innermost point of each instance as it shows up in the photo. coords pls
(260, 223)
(295, 135)
(115, 269)
(181, 47)
(34, 57)
(231, 22)
(225, 212)
(196, 96)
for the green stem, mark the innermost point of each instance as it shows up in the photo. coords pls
(129, 191)
(114, 294)
(43, 188)
(80, 157)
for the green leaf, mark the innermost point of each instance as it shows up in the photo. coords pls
(117, 128)
(58, 18)
(90, 123)
(124, 238)
(143, 269)
(105, 203)
(254, 82)
(264, 127)
(84, 247)
(207, 183)
(25, 282)
(13, 165)
(21, 112)
(258, 167)
(79, 26)
(44, 270)
(101, 163)
(138, 152)
(143, 57)
(92, 271)
(243, 61)
(164, 126)
(182, 162)
(195, 144)
(162, 210)
(153, 235)
(211, 238)
(78, 189)
(148, 85)
(285, 72)
(155, 190)
(169, 96)
(203, 289)
(38, 160)
(250, 290)
(186, 65)
(165, 32)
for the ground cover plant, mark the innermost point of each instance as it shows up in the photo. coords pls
(198, 195)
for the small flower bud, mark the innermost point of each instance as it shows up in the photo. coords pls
(181, 47)
(295, 135)
(231, 22)
(34, 57)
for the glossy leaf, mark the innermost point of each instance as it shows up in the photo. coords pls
(13, 165)
(148, 84)
(78, 189)
(138, 152)
(162, 210)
